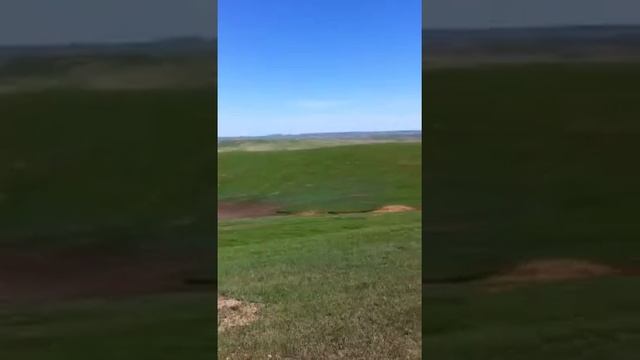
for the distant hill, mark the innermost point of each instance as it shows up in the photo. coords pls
(362, 135)
(568, 43)
(168, 63)
(164, 47)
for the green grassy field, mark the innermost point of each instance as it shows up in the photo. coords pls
(343, 286)
(107, 72)
(98, 190)
(299, 144)
(531, 162)
(155, 327)
(521, 162)
(331, 287)
(344, 178)
(75, 161)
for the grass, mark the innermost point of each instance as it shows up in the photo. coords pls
(83, 161)
(593, 319)
(115, 173)
(158, 327)
(334, 286)
(298, 144)
(343, 286)
(528, 162)
(522, 162)
(346, 178)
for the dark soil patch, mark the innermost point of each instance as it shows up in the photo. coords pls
(35, 277)
(452, 280)
(239, 210)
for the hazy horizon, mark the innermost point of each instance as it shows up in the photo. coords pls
(33, 22)
(214, 37)
(548, 26)
(111, 42)
(325, 132)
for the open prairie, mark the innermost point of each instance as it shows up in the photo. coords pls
(531, 244)
(326, 266)
(107, 218)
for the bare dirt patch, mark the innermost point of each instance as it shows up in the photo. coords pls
(37, 277)
(238, 210)
(310, 213)
(549, 270)
(233, 313)
(393, 209)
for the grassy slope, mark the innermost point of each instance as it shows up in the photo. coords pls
(299, 144)
(531, 162)
(357, 177)
(117, 171)
(157, 327)
(103, 72)
(330, 285)
(79, 161)
(346, 285)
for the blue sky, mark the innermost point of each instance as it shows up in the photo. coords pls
(294, 66)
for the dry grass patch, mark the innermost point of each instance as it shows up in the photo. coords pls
(393, 209)
(234, 313)
(310, 213)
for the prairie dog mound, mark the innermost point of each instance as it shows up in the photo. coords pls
(552, 270)
(234, 313)
(393, 209)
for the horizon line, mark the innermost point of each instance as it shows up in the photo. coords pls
(74, 43)
(321, 133)
(540, 27)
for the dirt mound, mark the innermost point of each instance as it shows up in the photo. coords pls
(309, 213)
(551, 270)
(234, 313)
(393, 209)
(238, 210)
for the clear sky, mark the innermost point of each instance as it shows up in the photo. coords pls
(518, 13)
(300, 66)
(64, 21)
